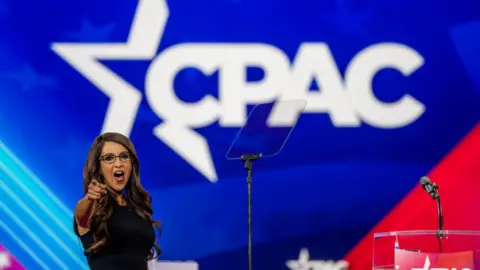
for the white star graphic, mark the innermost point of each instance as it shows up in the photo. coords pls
(142, 44)
(305, 263)
(4, 260)
(302, 262)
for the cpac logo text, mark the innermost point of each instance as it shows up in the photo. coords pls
(426, 266)
(349, 100)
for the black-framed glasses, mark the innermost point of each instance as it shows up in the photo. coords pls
(111, 158)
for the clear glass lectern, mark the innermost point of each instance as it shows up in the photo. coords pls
(417, 250)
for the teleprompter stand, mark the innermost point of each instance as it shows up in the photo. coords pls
(264, 134)
(248, 159)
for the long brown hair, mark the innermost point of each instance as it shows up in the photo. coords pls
(135, 195)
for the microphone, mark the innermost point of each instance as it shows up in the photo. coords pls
(432, 190)
(429, 187)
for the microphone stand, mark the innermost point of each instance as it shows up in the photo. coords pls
(248, 159)
(440, 232)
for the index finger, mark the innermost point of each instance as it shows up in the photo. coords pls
(95, 183)
(98, 184)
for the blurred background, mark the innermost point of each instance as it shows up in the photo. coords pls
(392, 91)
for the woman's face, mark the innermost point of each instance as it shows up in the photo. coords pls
(115, 165)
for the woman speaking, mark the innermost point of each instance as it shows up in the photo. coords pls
(114, 218)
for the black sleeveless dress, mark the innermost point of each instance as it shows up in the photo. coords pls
(130, 242)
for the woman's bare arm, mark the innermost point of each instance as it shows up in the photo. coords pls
(83, 214)
(84, 208)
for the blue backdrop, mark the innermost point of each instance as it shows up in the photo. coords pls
(324, 191)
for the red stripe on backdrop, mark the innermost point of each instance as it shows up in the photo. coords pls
(458, 178)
